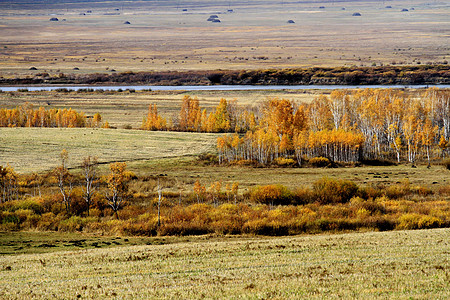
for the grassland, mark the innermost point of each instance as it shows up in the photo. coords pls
(176, 154)
(37, 149)
(398, 264)
(122, 109)
(255, 35)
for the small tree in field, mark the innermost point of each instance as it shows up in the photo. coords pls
(234, 191)
(160, 198)
(90, 173)
(64, 179)
(199, 190)
(117, 186)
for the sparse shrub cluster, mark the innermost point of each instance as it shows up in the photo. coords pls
(421, 74)
(125, 204)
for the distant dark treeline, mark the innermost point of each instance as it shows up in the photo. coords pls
(403, 75)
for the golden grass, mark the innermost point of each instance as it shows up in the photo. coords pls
(163, 38)
(121, 109)
(398, 264)
(37, 149)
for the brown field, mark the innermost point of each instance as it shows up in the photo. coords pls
(176, 154)
(254, 36)
(375, 265)
(121, 109)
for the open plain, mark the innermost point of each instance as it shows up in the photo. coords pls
(371, 265)
(91, 36)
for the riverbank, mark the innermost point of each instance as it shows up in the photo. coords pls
(347, 76)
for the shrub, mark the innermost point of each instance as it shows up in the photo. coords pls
(48, 221)
(284, 162)
(34, 204)
(370, 206)
(422, 190)
(328, 190)
(74, 223)
(429, 222)
(408, 221)
(209, 158)
(271, 194)
(303, 195)
(398, 190)
(319, 162)
(446, 164)
(369, 192)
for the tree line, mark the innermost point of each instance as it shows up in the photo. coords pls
(27, 116)
(345, 126)
(404, 75)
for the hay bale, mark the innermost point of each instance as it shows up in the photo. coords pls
(33, 69)
(291, 22)
(388, 6)
(356, 14)
(214, 16)
(405, 9)
(127, 23)
(54, 19)
(321, 7)
(215, 21)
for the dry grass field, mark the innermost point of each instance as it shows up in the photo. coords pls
(376, 265)
(122, 109)
(37, 149)
(174, 35)
(175, 154)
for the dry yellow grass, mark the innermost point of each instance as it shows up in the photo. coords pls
(121, 109)
(394, 265)
(256, 35)
(37, 149)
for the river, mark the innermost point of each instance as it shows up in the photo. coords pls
(211, 87)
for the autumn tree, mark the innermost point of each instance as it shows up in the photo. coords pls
(64, 179)
(199, 190)
(160, 198)
(214, 191)
(190, 115)
(153, 121)
(117, 186)
(8, 184)
(89, 166)
(234, 191)
(428, 134)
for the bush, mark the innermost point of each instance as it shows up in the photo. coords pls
(303, 195)
(34, 204)
(284, 162)
(398, 190)
(271, 194)
(327, 190)
(446, 164)
(319, 162)
(209, 158)
(416, 221)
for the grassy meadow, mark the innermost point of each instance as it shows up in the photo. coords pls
(37, 149)
(122, 109)
(370, 265)
(255, 35)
